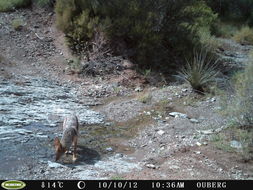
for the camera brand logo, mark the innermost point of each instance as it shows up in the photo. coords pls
(12, 184)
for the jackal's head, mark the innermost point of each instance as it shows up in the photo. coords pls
(59, 150)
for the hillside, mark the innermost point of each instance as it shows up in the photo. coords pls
(134, 125)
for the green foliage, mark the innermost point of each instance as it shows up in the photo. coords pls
(151, 32)
(8, 5)
(17, 23)
(244, 137)
(224, 29)
(245, 35)
(200, 71)
(221, 142)
(76, 22)
(233, 10)
(145, 98)
(45, 3)
(240, 106)
(207, 40)
(74, 65)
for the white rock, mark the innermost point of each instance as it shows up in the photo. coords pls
(109, 149)
(235, 144)
(194, 120)
(54, 165)
(160, 132)
(174, 167)
(206, 132)
(148, 113)
(177, 114)
(151, 166)
(198, 144)
(162, 148)
(138, 89)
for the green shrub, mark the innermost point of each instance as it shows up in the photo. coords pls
(208, 41)
(224, 29)
(149, 32)
(199, 72)
(75, 65)
(245, 35)
(45, 3)
(17, 23)
(240, 106)
(233, 10)
(8, 5)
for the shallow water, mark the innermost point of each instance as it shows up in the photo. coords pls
(31, 111)
(31, 114)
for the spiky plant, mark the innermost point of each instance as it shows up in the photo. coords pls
(200, 71)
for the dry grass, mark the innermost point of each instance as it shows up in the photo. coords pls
(244, 36)
(240, 107)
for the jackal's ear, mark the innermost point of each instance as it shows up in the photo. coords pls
(57, 142)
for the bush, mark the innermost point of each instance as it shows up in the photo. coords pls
(223, 29)
(244, 36)
(17, 23)
(45, 3)
(149, 32)
(208, 41)
(233, 10)
(199, 72)
(240, 107)
(8, 5)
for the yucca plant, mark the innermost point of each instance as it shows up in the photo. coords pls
(200, 71)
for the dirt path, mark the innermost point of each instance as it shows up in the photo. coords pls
(126, 133)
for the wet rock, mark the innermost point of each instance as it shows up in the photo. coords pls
(178, 114)
(119, 155)
(42, 171)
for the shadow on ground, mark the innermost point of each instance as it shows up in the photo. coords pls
(85, 156)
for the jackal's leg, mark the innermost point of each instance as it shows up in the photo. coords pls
(75, 147)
